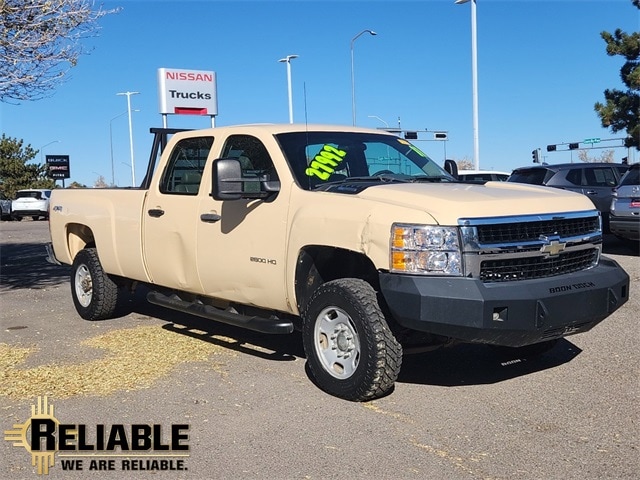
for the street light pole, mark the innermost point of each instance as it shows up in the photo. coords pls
(113, 176)
(375, 116)
(353, 82)
(42, 148)
(133, 165)
(474, 69)
(287, 60)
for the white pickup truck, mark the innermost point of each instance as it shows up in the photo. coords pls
(353, 236)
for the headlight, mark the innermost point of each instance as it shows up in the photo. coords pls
(425, 250)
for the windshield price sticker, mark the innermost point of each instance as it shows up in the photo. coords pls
(325, 162)
(412, 147)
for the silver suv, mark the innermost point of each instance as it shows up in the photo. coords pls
(625, 206)
(595, 180)
(5, 207)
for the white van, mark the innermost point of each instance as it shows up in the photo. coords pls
(478, 176)
(32, 203)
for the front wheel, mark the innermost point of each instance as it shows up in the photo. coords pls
(95, 294)
(351, 352)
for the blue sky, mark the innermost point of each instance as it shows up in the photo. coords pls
(541, 67)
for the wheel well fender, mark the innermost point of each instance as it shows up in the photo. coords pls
(320, 264)
(79, 237)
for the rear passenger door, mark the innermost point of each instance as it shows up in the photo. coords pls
(597, 183)
(171, 216)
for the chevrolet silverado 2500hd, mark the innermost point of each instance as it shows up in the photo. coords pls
(353, 236)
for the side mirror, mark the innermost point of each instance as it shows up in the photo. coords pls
(226, 179)
(452, 168)
(228, 183)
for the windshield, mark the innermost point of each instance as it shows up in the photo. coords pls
(321, 158)
(533, 176)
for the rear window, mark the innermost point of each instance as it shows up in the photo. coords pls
(632, 177)
(534, 176)
(30, 194)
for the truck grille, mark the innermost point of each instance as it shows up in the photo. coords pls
(518, 232)
(537, 267)
(508, 249)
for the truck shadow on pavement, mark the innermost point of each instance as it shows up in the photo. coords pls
(456, 366)
(467, 364)
(268, 347)
(24, 265)
(612, 245)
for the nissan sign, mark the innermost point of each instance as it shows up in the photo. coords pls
(187, 92)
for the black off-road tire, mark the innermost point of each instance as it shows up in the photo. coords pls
(95, 294)
(351, 352)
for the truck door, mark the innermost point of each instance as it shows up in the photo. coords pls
(241, 243)
(171, 217)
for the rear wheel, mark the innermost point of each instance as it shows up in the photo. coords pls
(351, 352)
(95, 294)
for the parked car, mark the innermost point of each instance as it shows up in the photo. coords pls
(595, 180)
(481, 176)
(32, 203)
(625, 206)
(5, 207)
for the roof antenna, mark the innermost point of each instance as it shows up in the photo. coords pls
(304, 87)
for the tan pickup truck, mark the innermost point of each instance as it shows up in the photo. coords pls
(353, 236)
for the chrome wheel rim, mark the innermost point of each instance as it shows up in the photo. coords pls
(337, 343)
(83, 286)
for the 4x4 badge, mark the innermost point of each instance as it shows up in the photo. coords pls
(552, 245)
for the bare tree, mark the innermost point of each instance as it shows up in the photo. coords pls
(465, 164)
(606, 156)
(40, 40)
(100, 182)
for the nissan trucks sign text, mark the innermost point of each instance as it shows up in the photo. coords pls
(187, 92)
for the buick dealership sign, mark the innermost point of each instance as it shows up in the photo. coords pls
(58, 166)
(187, 92)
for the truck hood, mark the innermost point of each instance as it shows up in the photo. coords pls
(446, 203)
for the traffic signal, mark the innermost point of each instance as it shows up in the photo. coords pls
(573, 146)
(535, 156)
(411, 135)
(551, 148)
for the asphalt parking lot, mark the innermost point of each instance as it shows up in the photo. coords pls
(250, 411)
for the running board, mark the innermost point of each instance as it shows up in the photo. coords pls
(257, 324)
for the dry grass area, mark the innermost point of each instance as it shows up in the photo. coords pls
(135, 358)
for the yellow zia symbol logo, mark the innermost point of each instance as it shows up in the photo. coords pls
(19, 435)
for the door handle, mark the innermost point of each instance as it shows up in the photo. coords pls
(155, 212)
(210, 217)
(591, 192)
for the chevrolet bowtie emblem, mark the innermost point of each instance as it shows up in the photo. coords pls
(552, 247)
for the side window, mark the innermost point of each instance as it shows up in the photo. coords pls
(600, 177)
(183, 173)
(254, 158)
(574, 176)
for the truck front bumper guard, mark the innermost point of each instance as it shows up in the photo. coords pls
(510, 313)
